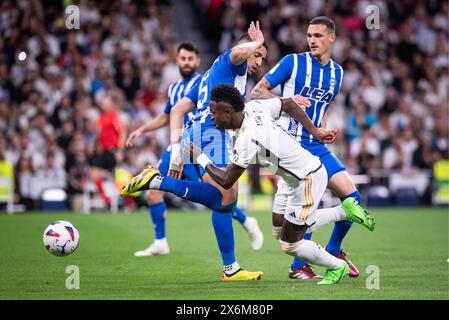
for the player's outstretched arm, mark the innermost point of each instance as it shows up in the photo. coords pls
(177, 113)
(240, 53)
(160, 121)
(225, 177)
(294, 107)
(262, 90)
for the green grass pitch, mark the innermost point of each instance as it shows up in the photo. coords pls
(409, 246)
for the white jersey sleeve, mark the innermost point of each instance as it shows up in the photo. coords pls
(271, 107)
(243, 151)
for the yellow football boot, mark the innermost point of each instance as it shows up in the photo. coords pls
(242, 275)
(141, 181)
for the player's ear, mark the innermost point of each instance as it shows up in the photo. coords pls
(332, 37)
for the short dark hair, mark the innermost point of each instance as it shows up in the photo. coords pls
(230, 94)
(328, 22)
(188, 46)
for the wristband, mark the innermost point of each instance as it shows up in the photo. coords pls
(203, 160)
(175, 158)
(176, 149)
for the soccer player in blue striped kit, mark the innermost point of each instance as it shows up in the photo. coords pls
(187, 61)
(231, 67)
(315, 76)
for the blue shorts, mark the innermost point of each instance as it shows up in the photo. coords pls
(213, 142)
(189, 173)
(329, 160)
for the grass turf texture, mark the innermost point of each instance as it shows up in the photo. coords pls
(410, 247)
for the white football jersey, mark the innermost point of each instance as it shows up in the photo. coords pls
(261, 140)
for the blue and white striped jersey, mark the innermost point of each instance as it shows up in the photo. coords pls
(178, 90)
(303, 74)
(221, 71)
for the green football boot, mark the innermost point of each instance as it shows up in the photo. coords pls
(356, 213)
(332, 276)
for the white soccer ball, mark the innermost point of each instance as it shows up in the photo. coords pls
(61, 238)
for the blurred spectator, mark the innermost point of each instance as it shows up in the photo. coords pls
(111, 137)
(77, 168)
(24, 173)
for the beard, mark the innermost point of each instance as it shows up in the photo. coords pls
(185, 73)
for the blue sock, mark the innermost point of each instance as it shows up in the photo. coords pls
(222, 223)
(196, 191)
(157, 216)
(239, 215)
(341, 228)
(299, 263)
(208, 195)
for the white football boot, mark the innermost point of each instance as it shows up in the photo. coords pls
(254, 232)
(158, 248)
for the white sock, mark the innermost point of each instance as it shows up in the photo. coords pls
(156, 182)
(249, 222)
(231, 268)
(313, 253)
(326, 216)
(162, 242)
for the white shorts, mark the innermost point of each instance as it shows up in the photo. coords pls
(299, 203)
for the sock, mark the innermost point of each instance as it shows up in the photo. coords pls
(196, 191)
(231, 268)
(100, 187)
(313, 253)
(297, 263)
(222, 223)
(239, 215)
(157, 213)
(341, 228)
(326, 216)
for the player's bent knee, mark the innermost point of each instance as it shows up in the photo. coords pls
(341, 184)
(289, 248)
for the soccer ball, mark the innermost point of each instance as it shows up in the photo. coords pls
(61, 238)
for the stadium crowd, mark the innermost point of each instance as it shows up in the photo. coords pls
(392, 111)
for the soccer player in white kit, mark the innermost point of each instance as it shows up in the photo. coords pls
(260, 139)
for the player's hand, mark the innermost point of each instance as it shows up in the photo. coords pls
(134, 135)
(254, 32)
(326, 136)
(174, 174)
(175, 168)
(301, 101)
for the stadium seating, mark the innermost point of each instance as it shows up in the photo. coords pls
(378, 196)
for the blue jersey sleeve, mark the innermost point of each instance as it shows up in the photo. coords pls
(167, 106)
(193, 92)
(237, 70)
(168, 103)
(280, 72)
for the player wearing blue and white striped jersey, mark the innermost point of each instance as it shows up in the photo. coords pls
(187, 60)
(231, 67)
(315, 76)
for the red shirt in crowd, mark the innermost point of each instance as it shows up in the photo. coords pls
(110, 128)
